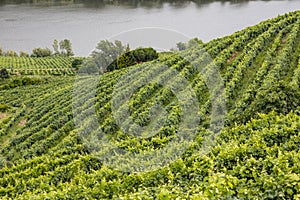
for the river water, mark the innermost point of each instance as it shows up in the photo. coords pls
(25, 26)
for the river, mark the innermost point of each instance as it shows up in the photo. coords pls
(29, 24)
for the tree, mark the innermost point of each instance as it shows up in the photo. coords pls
(133, 57)
(104, 57)
(24, 54)
(41, 52)
(1, 51)
(181, 46)
(66, 47)
(89, 66)
(125, 60)
(192, 42)
(109, 56)
(77, 63)
(62, 48)
(11, 53)
(55, 47)
(144, 54)
(3, 73)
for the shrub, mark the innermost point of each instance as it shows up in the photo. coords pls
(133, 57)
(77, 63)
(3, 73)
(41, 52)
(24, 54)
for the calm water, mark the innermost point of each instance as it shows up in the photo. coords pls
(28, 25)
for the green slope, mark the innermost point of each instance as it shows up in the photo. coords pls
(256, 155)
(37, 66)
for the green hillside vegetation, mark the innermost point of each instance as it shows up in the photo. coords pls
(37, 66)
(256, 155)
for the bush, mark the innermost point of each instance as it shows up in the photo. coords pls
(183, 46)
(24, 54)
(77, 63)
(133, 57)
(41, 52)
(3, 73)
(144, 54)
(125, 60)
(89, 66)
(11, 53)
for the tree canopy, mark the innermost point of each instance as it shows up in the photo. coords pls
(103, 56)
(109, 56)
(41, 52)
(65, 47)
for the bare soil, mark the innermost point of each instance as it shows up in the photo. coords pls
(4, 115)
(232, 57)
(22, 122)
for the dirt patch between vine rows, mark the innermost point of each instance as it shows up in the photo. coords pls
(4, 115)
(232, 57)
(22, 122)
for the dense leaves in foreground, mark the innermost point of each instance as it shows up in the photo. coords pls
(256, 155)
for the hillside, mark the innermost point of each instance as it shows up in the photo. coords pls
(37, 66)
(238, 121)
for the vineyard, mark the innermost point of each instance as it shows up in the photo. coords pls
(252, 109)
(37, 66)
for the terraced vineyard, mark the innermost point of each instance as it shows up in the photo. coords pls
(37, 66)
(256, 156)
